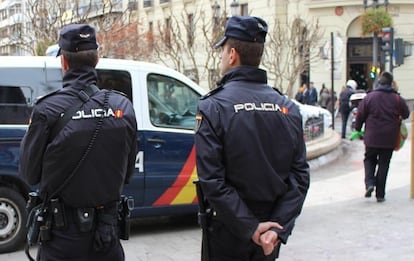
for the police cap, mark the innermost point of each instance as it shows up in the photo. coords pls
(77, 37)
(244, 28)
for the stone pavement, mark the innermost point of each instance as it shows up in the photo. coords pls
(339, 223)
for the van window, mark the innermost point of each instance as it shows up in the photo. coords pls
(19, 88)
(171, 102)
(115, 80)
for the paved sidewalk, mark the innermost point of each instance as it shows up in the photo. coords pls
(338, 223)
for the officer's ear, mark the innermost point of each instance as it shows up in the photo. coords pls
(64, 63)
(234, 59)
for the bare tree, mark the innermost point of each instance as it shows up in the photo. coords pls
(44, 20)
(117, 34)
(213, 31)
(189, 51)
(173, 47)
(288, 51)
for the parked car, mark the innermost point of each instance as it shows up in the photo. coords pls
(314, 112)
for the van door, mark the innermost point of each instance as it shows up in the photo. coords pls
(169, 159)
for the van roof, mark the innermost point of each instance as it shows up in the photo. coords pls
(39, 61)
(104, 63)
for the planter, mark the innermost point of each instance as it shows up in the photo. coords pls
(373, 20)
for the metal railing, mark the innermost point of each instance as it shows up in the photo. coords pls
(314, 128)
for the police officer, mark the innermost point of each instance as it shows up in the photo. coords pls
(251, 156)
(82, 167)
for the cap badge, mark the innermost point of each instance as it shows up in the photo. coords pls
(84, 35)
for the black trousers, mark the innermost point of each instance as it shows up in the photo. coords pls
(344, 116)
(72, 245)
(377, 163)
(224, 246)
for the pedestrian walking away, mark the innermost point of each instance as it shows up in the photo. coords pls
(344, 106)
(250, 152)
(381, 111)
(324, 97)
(80, 149)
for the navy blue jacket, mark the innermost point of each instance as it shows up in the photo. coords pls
(110, 162)
(312, 96)
(344, 99)
(380, 110)
(251, 155)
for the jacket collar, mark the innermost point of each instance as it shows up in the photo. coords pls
(244, 73)
(80, 77)
(384, 88)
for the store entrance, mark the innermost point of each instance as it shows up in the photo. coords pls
(359, 61)
(360, 73)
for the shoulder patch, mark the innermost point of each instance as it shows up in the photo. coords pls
(212, 92)
(39, 99)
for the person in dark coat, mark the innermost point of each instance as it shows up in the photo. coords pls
(313, 95)
(250, 152)
(380, 111)
(82, 167)
(344, 107)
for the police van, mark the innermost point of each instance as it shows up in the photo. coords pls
(165, 103)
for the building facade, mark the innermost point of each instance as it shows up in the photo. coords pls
(340, 21)
(11, 24)
(202, 22)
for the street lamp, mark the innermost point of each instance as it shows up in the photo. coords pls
(216, 13)
(234, 6)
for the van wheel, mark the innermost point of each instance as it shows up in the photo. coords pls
(13, 218)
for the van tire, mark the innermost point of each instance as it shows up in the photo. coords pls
(13, 217)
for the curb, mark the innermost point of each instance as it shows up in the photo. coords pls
(324, 150)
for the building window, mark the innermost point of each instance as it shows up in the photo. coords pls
(147, 3)
(150, 35)
(132, 5)
(190, 30)
(244, 9)
(167, 33)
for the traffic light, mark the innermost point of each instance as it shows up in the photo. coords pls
(399, 51)
(387, 40)
(373, 73)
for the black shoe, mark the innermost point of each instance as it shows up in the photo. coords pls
(369, 191)
(380, 200)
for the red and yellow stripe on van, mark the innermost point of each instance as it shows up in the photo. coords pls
(183, 190)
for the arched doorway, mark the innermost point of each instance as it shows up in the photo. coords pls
(359, 56)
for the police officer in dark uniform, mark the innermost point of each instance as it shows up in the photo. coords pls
(82, 167)
(251, 155)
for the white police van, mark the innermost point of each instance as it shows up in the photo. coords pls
(165, 103)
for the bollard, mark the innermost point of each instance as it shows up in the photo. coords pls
(412, 154)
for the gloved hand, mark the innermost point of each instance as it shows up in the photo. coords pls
(106, 232)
